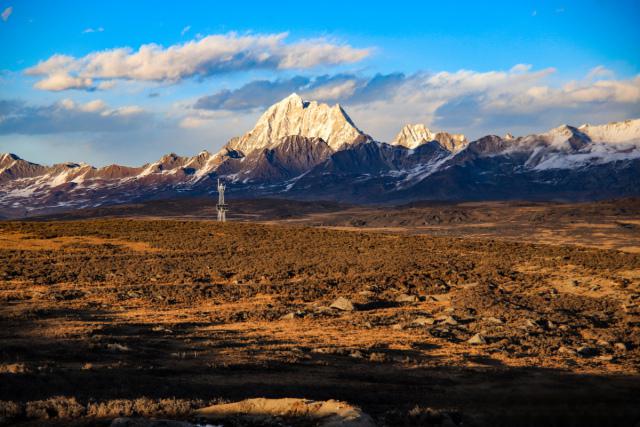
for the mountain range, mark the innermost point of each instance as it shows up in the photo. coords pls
(309, 150)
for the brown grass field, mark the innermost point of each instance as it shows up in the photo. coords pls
(469, 315)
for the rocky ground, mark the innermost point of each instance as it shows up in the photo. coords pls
(109, 318)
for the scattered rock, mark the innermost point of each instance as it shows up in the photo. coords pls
(356, 354)
(477, 339)
(566, 351)
(550, 325)
(288, 316)
(423, 321)
(620, 346)
(448, 320)
(342, 304)
(323, 310)
(378, 357)
(586, 351)
(407, 298)
(494, 320)
(118, 347)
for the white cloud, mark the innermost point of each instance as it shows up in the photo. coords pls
(337, 91)
(93, 106)
(520, 68)
(185, 30)
(599, 72)
(106, 84)
(67, 116)
(128, 110)
(192, 122)
(63, 81)
(211, 55)
(6, 13)
(259, 94)
(466, 101)
(93, 30)
(478, 103)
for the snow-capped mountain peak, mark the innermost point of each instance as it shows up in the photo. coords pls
(293, 116)
(414, 135)
(616, 132)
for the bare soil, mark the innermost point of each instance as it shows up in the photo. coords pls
(149, 317)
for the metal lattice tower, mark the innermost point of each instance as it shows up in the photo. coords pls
(221, 206)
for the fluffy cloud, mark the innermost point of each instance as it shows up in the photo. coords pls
(63, 81)
(346, 88)
(211, 55)
(6, 13)
(520, 100)
(256, 94)
(529, 103)
(16, 117)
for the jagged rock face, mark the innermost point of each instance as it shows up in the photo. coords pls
(379, 158)
(113, 172)
(412, 136)
(13, 167)
(293, 116)
(293, 156)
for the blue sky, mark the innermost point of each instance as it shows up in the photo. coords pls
(461, 66)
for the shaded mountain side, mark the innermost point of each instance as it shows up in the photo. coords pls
(292, 156)
(492, 179)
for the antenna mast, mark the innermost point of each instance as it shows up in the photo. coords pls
(221, 206)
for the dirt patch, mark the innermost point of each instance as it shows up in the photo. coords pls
(26, 242)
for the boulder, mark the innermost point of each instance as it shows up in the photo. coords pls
(477, 339)
(342, 304)
(423, 321)
(407, 298)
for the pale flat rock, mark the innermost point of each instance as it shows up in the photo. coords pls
(330, 413)
(343, 304)
(477, 339)
(423, 321)
(407, 298)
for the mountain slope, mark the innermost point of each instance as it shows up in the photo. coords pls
(306, 150)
